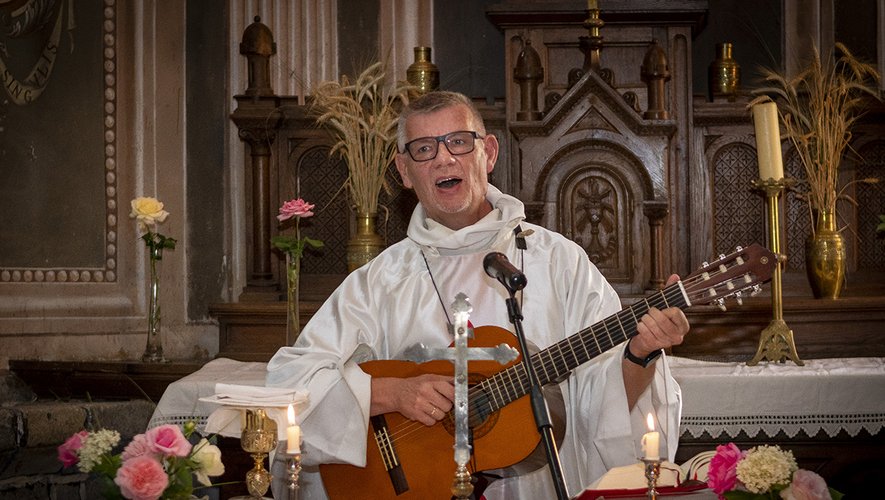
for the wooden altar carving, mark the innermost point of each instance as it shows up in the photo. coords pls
(593, 166)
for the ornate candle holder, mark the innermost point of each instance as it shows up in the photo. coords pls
(776, 342)
(293, 471)
(652, 473)
(259, 437)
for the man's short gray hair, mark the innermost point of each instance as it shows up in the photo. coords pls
(431, 102)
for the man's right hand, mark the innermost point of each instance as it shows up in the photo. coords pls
(425, 398)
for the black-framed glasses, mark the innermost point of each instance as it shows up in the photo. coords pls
(458, 143)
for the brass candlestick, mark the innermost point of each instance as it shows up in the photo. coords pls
(259, 438)
(652, 473)
(776, 342)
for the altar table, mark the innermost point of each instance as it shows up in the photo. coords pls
(719, 399)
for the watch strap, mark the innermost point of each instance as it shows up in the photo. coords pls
(643, 362)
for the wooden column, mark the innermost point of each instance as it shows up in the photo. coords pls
(258, 119)
(656, 211)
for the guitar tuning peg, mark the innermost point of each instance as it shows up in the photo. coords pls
(738, 248)
(722, 256)
(757, 289)
(705, 264)
(738, 298)
(721, 303)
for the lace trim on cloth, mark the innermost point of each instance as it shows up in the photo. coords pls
(179, 420)
(771, 425)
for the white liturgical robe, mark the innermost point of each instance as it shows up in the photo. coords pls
(402, 298)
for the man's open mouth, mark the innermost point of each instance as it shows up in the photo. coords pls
(447, 183)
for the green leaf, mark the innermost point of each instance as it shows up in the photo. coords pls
(833, 493)
(108, 465)
(314, 243)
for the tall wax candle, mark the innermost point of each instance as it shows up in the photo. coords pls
(651, 441)
(293, 434)
(768, 141)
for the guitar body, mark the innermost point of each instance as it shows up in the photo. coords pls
(426, 454)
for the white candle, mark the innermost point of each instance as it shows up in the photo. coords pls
(650, 441)
(768, 141)
(293, 434)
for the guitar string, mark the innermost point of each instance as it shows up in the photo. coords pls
(477, 390)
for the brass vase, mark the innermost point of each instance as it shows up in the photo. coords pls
(825, 257)
(423, 74)
(366, 244)
(724, 73)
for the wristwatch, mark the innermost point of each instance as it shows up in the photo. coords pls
(643, 362)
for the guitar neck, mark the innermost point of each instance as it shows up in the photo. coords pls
(557, 361)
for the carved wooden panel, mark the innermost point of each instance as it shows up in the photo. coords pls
(870, 204)
(739, 213)
(595, 211)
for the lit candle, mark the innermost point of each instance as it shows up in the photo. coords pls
(293, 434)
(768, 141)
(650, 441)
(592, 5)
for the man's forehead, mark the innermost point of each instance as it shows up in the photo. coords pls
(439, 122)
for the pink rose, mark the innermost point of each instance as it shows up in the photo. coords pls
(295, 208)
(142, 478)
(67, 452)
(168, 441)
(722, 475)
(806, 485)
(137, 447)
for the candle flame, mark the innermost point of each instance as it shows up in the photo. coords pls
(650, 422)
(291, 415)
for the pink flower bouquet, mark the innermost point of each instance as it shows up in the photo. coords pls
(763, 472)
(161, 463)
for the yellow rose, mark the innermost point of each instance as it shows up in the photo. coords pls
(148, 211)
(207, 458)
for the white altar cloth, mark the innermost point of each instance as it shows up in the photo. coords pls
(718, 398)
(831, 395)
(183, 402)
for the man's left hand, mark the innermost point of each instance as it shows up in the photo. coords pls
(659, 329)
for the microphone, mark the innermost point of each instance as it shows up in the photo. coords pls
(499, 267)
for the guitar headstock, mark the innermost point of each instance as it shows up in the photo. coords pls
(744, 270)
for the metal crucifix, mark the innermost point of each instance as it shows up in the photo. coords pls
(460, 355)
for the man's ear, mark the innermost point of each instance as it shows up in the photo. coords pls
(490, 143)
(403, 169)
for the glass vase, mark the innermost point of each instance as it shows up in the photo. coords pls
(153, 351)
(293, 319)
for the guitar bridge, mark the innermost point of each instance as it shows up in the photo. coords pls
(388, 455)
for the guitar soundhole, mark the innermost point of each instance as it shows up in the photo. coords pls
(481, 421)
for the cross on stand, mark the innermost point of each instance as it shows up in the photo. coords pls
(460, 354)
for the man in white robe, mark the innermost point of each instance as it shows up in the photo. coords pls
(403, 296)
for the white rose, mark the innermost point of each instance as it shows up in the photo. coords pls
(148, 211)
(207, 458)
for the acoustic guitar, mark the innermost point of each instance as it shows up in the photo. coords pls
(408, 460)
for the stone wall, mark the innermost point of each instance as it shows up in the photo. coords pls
(31, 430)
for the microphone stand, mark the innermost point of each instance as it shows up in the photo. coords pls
(539, 404)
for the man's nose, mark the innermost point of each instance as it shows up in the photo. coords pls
(443, 155)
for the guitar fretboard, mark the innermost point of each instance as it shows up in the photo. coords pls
(557, 361)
